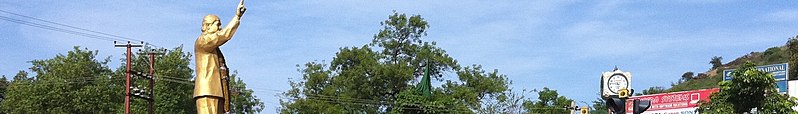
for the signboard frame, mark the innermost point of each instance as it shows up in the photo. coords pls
(779, 71)
(675, 102)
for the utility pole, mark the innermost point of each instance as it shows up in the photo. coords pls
(127, 72)
(151, 86)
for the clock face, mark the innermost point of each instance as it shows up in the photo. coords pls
(616, 82)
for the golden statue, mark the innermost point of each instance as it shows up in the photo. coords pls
(211, 91)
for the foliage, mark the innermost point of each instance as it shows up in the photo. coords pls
(774, 55)
(791, 49)
(475, 84)
(702, 83)
(687, 76)
(654, 90)
(507, 103)
(701, 76)
(599, 107)
(78, 83)
(72, 83)
(716, 62)
(243, 100)
(3, 86)
(173, 92)
(549, 102)
(412, 101)
(749, 88)
(378, 77)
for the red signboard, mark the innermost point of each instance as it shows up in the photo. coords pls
(676, 102)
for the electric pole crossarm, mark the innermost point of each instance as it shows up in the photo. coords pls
(128, 45)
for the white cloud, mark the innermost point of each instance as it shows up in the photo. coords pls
(607, 7)
(782, 15)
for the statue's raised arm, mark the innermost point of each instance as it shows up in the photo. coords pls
(232, 26)
(241, 8)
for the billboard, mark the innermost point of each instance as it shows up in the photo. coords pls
(683, 102)
(779, 72)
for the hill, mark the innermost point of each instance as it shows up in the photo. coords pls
(710, 78)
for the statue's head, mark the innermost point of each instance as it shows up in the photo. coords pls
(211, 24)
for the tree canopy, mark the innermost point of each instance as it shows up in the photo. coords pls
(791, 53)
(380, 77)
(749, 89)
(73, 83)
(716, 62)
(80, 83)
(599, 106)
(549, 102)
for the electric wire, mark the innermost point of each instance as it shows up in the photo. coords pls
(174, 78)
(175, 81)
(168, 79)
(88, 35)
(56, 29)
(61, 83)
(34, 18)
(107, 37)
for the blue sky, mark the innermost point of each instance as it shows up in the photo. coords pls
(563, 45)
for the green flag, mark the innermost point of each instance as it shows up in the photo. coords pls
(425, 86)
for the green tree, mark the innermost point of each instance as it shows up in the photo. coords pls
(507, 103)
(748, 89)
(412, 101)
(792, 57)
(687, 76)
(171, 97)
(20, 82)
(308, 96)
(243, 100)
(774, 55)
(716, 62)
(364, 80)
(701, 76)
(599, 107)
(3, 86)
(654, 90)
(71, 83)
(78, 83)
(549, 102)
